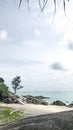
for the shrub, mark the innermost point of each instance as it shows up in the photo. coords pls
(3, 91)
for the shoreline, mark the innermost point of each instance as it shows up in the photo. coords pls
(64, 96)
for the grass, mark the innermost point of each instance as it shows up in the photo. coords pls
(7, 116)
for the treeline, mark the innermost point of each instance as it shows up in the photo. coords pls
(4, 89)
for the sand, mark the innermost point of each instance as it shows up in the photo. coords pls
(34, 110)
(40, 117)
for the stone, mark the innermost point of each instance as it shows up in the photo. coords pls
(71, 105)
(44, 103)
(8, 100)
(60, 103)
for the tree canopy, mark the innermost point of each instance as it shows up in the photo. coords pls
(3, 89)
(16, 83)
(1, 80)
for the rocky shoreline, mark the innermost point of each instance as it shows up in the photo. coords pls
(12, 98)
(27, 99)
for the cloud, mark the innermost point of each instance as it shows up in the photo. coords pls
(57, 66)
(20, 62)
(34, 44)
(37, 32)
(70, 45)
(3, 34)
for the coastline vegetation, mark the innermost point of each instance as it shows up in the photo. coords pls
(8, 115)
(4, 89)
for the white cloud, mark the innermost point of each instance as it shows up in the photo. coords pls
(37, 32)
(57, 66)
(34, 44)
(3, 34)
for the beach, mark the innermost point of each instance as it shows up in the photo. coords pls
(40, 117)
(34, 110)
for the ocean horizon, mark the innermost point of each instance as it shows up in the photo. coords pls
(64, 96)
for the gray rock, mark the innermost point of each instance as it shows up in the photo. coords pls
(60, 103)
(71, 105)
(35, 100)
(8, 100)
(44, 103)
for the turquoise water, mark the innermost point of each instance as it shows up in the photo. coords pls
(66, 97)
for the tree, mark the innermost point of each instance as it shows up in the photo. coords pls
(16, 83)
(1, 80)
(3, 89)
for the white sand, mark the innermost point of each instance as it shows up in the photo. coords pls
(33, 110)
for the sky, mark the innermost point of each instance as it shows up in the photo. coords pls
(37, 46)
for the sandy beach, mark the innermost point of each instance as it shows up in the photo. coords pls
(34, 110)
(40, 117)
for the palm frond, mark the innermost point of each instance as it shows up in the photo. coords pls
(42, 6)
(45, 3)
(20, 3)
(64, 5)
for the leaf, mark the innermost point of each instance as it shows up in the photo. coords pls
(20, 3)
(55, 6)
(45, 2)
(64, 4)
(40, 4)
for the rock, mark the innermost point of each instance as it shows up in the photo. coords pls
(32, 99)
(42, 97)
(44, 103)
(12, 98)
(19, 101)
(71, 105)
(35, 100)
(60, 103)
(8, 100)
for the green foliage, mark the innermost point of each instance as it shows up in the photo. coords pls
(7, 116)
(3, 91)
(16, 83)
(1, 80)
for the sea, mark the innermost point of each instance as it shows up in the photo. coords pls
(64, 96)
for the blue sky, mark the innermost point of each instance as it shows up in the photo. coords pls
(36, 47)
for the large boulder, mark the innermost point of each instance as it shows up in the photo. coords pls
(35, 100)
(32, 99)
(44, 103)
(71, 105)
(60, 103)
(8, 100)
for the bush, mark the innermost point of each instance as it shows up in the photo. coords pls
(3, 91)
